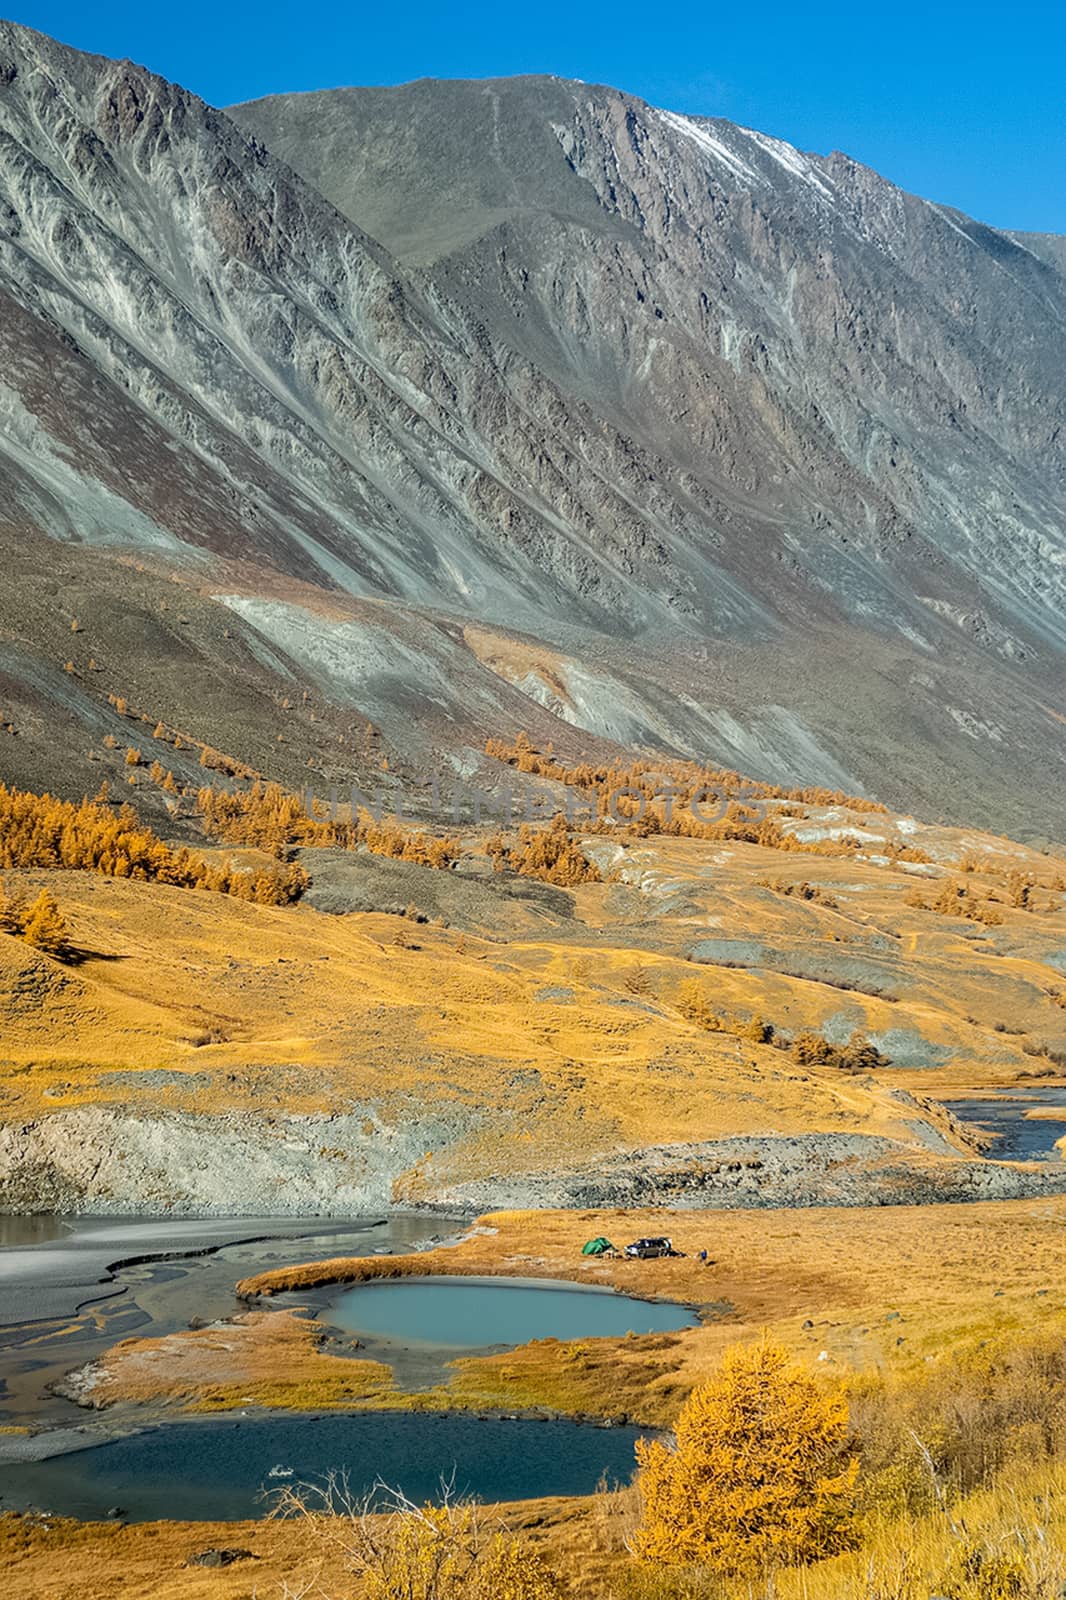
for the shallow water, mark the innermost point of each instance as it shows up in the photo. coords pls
(1018, 1137)
(478, 1313)
(218, 1468)
(18, 1231)
(65, 1297)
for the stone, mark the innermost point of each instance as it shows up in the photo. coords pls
(220, 1557)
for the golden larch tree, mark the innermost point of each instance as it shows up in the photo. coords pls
(44, 927)
(759, 1473)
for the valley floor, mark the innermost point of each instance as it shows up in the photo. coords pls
(903, 1306)
(749, 1047)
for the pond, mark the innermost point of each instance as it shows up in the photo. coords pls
(225, 1469)
(1019, 1136)
(70, 1290)
(480, 1313)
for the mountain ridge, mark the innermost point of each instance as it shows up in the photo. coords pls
(260, 394)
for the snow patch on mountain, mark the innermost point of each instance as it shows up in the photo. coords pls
(701, 134)
(793, 161)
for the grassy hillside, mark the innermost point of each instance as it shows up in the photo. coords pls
(685, 997)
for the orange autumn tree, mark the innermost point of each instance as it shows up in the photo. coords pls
(549, 854)
(44, 927)
(759, 1472)
(41, 831)
(270, 818)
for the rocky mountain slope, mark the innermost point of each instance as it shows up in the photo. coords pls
(466, 406)
(842, 367)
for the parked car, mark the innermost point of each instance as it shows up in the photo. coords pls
(648, 1249)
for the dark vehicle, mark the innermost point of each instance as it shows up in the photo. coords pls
(648, 1249)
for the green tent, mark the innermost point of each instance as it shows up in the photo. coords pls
(597, 1247)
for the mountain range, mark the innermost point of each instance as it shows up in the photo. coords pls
(351, 428)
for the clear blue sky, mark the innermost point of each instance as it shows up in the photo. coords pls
(965, 104)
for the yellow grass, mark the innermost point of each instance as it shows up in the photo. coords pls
(885, 1290)
(568, 1038)
(902, 1559)
(898, 1298)
(571, 1042)
(1022, 1516)
(256, 1359)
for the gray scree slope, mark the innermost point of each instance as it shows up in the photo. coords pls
(765, 454)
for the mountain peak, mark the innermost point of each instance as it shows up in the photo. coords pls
(694, 416)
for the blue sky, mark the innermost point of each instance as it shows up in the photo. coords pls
(964, 104)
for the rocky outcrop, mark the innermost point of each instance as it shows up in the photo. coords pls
(111, 1162)
(100, 1161)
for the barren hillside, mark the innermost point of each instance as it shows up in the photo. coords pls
(751, 455)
